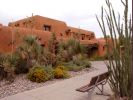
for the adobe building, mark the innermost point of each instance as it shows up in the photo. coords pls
(42, 27)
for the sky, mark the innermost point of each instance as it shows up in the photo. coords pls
(76, 13)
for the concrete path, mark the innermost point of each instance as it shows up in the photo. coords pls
(65, 90)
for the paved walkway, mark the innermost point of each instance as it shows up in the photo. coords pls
(64, 90)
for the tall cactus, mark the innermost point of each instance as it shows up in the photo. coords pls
(119, 63)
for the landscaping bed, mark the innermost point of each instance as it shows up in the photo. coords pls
(21, 83)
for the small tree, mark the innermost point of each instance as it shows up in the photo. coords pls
(119, 64)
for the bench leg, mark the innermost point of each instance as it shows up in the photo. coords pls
(101, 91)
(90, 92)
(90, 95)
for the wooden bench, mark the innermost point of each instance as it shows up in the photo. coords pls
(95, 82)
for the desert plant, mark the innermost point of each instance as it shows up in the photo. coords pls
(69, 48)
(47, 58)
(60, 72)
(77, 59)
(50, 72)
(71, 66)
(119, 64)
(53, 44)
(81, 61)
(22, 66)
(74, 47)
(30, 48)
(86, 63)
(99, 58)
(38, 74)
(74, 68)
(7, 67)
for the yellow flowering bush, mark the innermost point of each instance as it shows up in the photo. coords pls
(37, 74)
(60, 72)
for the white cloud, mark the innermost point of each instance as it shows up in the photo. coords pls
(77, 13)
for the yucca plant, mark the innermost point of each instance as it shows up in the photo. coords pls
(30, 52)
(30, 48)
(119, 64)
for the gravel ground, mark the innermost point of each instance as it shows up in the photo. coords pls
(22, 84)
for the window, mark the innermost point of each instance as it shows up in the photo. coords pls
(83, 36)
(68, 32)
(24, 23)
(17, 25)
(92, 36)
(47, 27)
(11, 43)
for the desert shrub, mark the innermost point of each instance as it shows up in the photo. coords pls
(22, 67)
(60, 72)
(80, 61)
(70, 66)
(6, 68)
(75, 68)
(53, 44)
(38, 74)
(70, 48)
(29, 52)
(86, 63)
(62, 68)
(99, 58)
(3, 73)
(49, 58)
(77, 64)
(50, 72)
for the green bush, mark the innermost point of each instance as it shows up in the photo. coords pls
(60, 72)
(86, 64)
(22, 67)
(38, 74)
(71, 66)
(62, 68)
(75, 68)
(78, 60)
(77, 65)
(7, 67)
(99, 58)
(50, 72)
(70, 48)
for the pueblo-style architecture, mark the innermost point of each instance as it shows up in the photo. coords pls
(42, 27)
